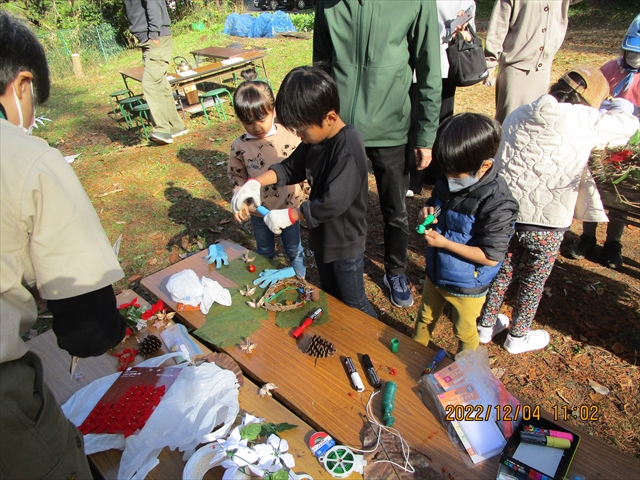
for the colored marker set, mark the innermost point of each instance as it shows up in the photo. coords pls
(538, 450)
(368, 368)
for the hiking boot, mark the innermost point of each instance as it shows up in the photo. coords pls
(613, 254)
(534, 340)
(178, 133)
(487, 333)
(400, 295)
(162, 138)
(580, 248)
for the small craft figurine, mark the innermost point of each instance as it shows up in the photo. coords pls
(248, 291)
(254, 304)
(247, 346)
(247, 259)
(428, 220)
(266, 389)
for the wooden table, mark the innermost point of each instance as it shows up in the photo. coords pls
(320, 394)
(223, 54)
(56, 373)
(200, 74)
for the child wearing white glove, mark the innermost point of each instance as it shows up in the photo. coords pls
(265, 143)
(332, 159)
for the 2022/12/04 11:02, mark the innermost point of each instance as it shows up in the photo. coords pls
(586, 413)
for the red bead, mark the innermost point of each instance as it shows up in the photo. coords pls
(251, 268)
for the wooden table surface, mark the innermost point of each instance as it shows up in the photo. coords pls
(221, 52)
(320, 394)
(56, 373)
(210, 70)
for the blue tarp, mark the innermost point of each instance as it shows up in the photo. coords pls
(265, 25)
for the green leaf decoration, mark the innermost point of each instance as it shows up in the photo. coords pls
(283, 427)
(250, 432)
(618, 180)
(281, 474)
(268, 428)
(635, 140)
(635, 174)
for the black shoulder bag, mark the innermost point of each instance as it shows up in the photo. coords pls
(467, 65)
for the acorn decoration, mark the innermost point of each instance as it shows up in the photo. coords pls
(320, 347)
(150, 345)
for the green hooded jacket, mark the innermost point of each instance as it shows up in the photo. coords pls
(373, 47)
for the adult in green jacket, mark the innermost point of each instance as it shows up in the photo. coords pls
(373, 48)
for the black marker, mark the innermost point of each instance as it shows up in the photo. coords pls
(371, 372)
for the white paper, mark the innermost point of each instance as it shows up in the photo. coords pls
(187, 73)
(485, 437)
(543, 459)
(231, 61)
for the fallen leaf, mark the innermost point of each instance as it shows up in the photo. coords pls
(624, 381)
(583, 338)
(266, 389)
(226, 220)
(497, 372)
(184, 242)
(601, 389)
(618, 349)
(153, 261)
(134, 278)
(596, 397)
(174, 258)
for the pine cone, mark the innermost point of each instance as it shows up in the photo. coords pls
(315, 295)
(150, 345)
(320, 347)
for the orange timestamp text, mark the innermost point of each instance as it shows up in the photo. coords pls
(586, 413)
(482, 413)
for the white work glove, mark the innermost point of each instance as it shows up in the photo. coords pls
(251, 189)
(617, 105)
(278, 220)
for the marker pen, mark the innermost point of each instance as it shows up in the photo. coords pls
(544, 440)
(550, 433)
(353, 373)
(436, 360)
(371, 372)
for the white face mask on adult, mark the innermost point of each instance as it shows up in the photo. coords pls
(28, 129)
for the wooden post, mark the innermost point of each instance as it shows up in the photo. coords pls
(77, 65)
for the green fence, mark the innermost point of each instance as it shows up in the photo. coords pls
(96, 45)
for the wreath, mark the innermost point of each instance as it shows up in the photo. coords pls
(289, 294)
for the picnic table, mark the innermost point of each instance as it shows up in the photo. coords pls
(56, 374)
(320, 394)
(199, 74)
(223, 53)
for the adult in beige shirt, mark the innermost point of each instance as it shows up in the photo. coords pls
(50, 240)
(522, 39)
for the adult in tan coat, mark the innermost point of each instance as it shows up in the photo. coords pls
(522, 39)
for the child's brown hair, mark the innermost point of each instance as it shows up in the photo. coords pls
(253, 100)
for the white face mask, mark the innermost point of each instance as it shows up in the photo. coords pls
(28, 129)
(457, 184)
(632, 59)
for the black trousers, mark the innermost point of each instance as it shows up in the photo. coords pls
(392, 178)
(430, 174)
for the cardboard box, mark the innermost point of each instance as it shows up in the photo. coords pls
(191, 93)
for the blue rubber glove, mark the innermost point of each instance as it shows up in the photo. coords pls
(270, 276)
(217, 255)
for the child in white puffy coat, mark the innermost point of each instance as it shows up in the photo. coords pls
(544, 152)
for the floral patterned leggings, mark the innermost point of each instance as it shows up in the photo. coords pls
(529, 260)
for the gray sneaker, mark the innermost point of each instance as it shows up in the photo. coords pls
(399, 292)
(162, 138)
(178, 133)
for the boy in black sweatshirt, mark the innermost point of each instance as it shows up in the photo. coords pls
(332, 159)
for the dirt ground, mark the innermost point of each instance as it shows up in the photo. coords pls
(174, 201)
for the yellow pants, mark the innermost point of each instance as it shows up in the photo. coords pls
(466, 311)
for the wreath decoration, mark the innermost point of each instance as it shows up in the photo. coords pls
(273, 299)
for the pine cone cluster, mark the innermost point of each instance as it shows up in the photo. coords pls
(150, 345)
(320, 347)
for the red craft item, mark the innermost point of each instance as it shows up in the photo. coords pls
(130, 401)
(251, 268)
(155, 308)
(132, 303)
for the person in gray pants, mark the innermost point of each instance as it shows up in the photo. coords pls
(149, 22)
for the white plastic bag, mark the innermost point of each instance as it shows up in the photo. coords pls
(185, 287)
(199, 399)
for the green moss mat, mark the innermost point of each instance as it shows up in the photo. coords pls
(293, 318)
(226, 326)
(237, 271)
